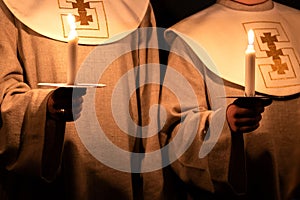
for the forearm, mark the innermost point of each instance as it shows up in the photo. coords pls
(23, 125)
(211, 158)
(31, 142)
(227, 163)
(215, 159)
(53, 147)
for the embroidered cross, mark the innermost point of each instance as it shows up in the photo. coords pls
(279, 66)
(274, 53)
(269, 39)
(83, 17)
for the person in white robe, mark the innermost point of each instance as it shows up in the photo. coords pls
(208, 50)
(69, 142)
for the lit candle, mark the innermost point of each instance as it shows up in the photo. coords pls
(250, 66)
(72, 51)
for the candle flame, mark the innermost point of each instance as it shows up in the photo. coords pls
(250, 37)
(71, 21)
(72, 24)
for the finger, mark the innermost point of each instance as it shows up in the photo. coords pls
(63, 103)
(71, 115)
(247, 121)
(77, 109)
(67, 103)
(77, 101)
(76, 113)
(244, 124)
(68, 93)
(63, 115)
(247, 129)
(62, 92)
(79, 92)
(248, 102)
(247, 113)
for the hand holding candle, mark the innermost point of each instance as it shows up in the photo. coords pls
(72, 51)
(250, 66)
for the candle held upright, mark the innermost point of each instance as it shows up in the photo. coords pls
(250, 66)
(72, 51)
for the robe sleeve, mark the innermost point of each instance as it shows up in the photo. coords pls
(24, 145)
(201, 126)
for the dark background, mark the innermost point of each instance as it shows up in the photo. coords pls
(168, 12)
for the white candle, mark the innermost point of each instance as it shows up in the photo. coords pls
(72, 51)
(250, 66)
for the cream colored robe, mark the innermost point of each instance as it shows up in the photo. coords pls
(33, 146)
(272, 151)
(200, 124)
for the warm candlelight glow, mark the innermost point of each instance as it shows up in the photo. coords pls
(72, 50)
(250, 66)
